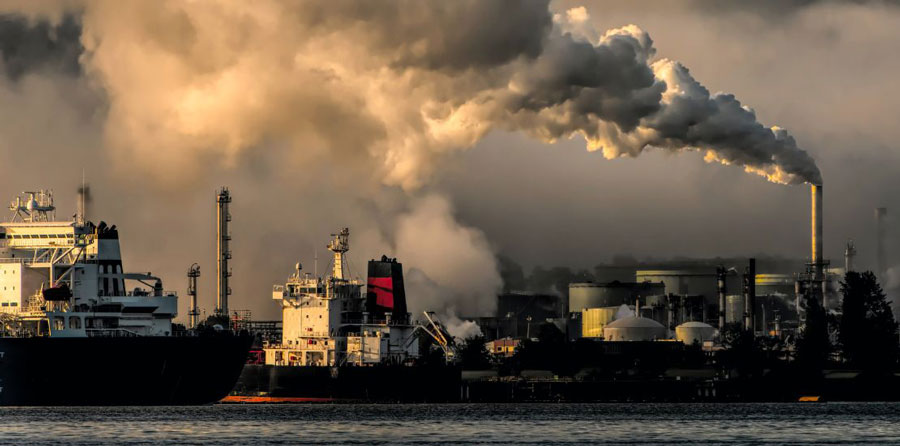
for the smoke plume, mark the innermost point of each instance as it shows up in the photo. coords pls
(387, 91)
(413, 80)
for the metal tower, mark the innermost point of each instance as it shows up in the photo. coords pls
(193, 313)
(223, 252)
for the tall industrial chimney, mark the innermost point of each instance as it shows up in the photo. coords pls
(849, 256)
(223, 253)
(193, 312)
(881, 261)
(750, 297)
(817, 235)
(722, 290)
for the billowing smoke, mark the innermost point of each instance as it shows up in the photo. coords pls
(456, 272)
(413, 80)
(386, 91)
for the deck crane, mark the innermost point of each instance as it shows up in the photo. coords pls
(440, 335)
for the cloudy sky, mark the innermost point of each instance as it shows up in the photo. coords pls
(447, 133)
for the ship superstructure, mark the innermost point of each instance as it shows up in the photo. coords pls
(330, 322)
(65, 278)
(77, 329)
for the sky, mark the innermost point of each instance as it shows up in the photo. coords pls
(448, 133)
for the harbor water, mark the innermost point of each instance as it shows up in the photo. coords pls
(513, 424)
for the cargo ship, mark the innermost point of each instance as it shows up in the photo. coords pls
(73, 332)
(340, 343)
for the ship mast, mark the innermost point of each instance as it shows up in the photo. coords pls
(339, 245)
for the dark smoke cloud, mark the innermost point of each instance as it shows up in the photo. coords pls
(28, 46)
(394, 93)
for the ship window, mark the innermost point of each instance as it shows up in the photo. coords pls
(59, 323)
(74, 322)
(14, 304)
(5, 304)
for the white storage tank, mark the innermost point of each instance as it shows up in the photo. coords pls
(690, 332)
(634, 329)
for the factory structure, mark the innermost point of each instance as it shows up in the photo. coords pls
(691, 302)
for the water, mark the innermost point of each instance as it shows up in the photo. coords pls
(632, 424)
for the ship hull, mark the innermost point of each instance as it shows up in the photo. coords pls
(348, 383)
(182, 370)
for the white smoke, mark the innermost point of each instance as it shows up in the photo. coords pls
(400, 84)
(386, 91)
(892, 281)
(623, 312)
(450, 268)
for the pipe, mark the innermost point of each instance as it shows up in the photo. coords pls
(817, 235)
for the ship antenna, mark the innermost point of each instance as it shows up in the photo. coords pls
(81, 216)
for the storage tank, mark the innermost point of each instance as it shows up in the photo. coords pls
(775, 285)
(696, 281)
(690, 332)
(634, 329)
(594, 319)
(600, 295)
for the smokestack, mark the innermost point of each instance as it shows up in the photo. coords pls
(223, 253)
(849, 256)
(817, 235)
(750, 297)
(880, 250)
(193, 313)
(722, 289)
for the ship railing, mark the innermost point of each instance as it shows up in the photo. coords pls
(110, 333)
(12, 260)
(369, 321)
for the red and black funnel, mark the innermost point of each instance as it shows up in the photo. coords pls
(385, 292)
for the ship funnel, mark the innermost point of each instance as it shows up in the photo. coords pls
(223, 251)
(385, 293)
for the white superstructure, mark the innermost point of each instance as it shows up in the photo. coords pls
(65, 278)
(325, 322)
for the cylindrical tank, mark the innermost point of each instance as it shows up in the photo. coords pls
(690, 332)
(700, 281)
(775, 284)
(634, 329)
(594, 319)
(734, 309)
(600, 295)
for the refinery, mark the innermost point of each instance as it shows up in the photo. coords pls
(713, 330)
(257, 170)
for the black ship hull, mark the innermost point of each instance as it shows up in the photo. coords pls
(350, 383)
(182, 370)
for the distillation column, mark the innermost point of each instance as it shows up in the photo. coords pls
(223, 251)
(193, 313)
